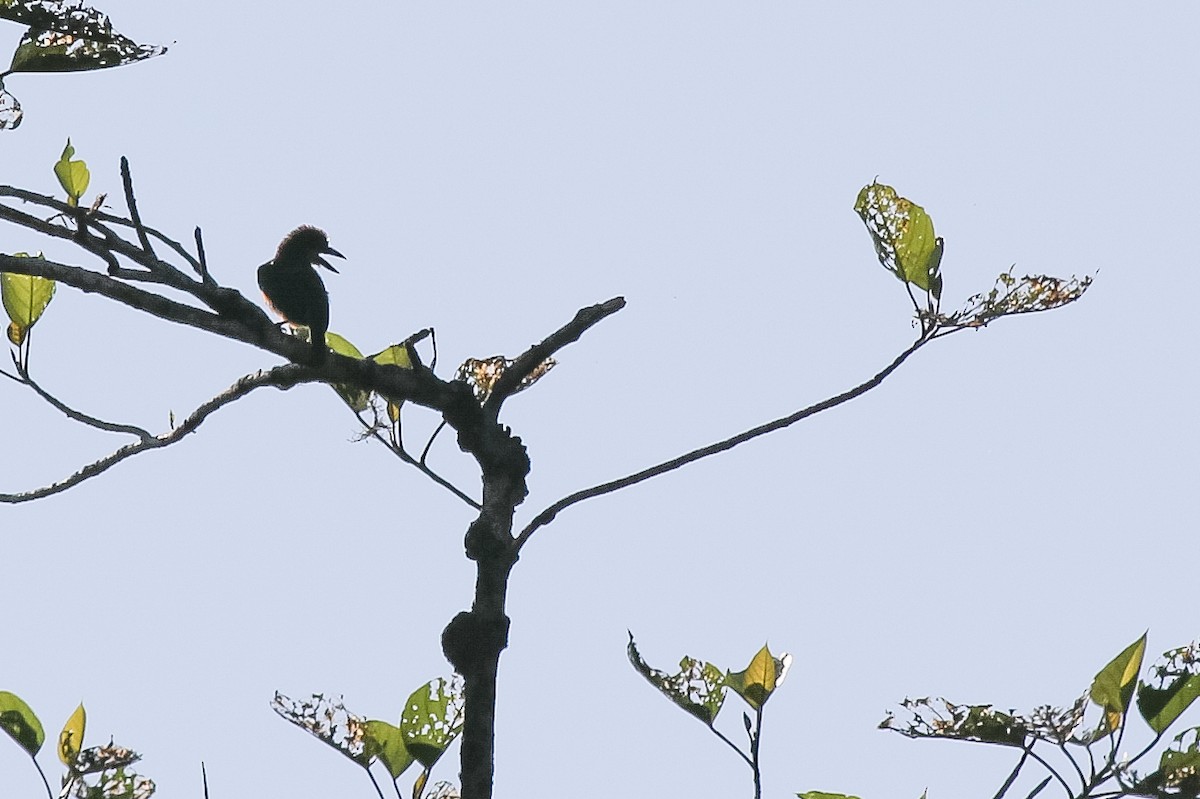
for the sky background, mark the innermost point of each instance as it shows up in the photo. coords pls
(998, 520)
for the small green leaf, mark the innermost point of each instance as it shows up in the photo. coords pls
(70, 740)
(386, 742)
(823, 795)
(1113, 687)
(698, 688)
(21, 723)
(903, 235)
(432, 719)
(1177, 676)
(73, 176)
(357, 399)
(758, 681)
(25, 298)
(395, 355)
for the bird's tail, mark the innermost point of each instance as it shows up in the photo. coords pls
(320, 349)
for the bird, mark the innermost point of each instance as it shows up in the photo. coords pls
(293, 289)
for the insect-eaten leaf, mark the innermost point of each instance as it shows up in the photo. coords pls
(432, 719)
(70, 740)
(1177, 676)
(73, 176)
(759, 680)
(21, 723)
(482, 374)
(327, 719)
(54, 51)
(903, 237)
(698, 688)
(10, 109)
(25, 298)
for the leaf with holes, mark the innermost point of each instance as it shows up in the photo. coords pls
(432, 718)
(903, 235)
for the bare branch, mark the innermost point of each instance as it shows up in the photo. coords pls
(131, 204)
(281, 377)
(529, 360)
(547, 515)
(78, 416)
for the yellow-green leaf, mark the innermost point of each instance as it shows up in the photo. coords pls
(25, 298)
(73, 176)
(70, 740)
(19, 721)
(1113, 687)
(395, 355)
(758, 681)
(386, 742)
(357, 399)
(903, 235)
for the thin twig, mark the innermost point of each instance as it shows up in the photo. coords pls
(1053, 771)
(79, 416)
(420, 466)
(378, 790)
(1012, 776)
(281, 377)
(203, 266)
(429, 443)
(131, 204)
(547, 515)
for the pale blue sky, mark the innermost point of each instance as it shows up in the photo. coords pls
(993, 524)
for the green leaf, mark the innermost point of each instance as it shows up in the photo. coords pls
(386, 742)
(357, 399)
(21, 723)
(1113, 687)
(1177, 676)
(698, 688)
(73, 176)
(70, 740)
(25, 298)
(903, 235)
(54, 51)
(432, 718)
(823, 795)
(759, 680)
(395, 355)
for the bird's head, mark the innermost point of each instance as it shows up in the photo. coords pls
(307, 244)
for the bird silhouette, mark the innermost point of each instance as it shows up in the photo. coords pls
(292, 287)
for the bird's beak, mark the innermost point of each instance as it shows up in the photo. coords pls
(326, 264)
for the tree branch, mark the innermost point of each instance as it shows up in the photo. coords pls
(548, 515)
(281, 377)
(533, 357)
(91, 421)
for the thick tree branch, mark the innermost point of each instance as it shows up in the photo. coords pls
(281, 377)
(547, 515)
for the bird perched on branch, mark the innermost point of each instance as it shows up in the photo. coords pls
(292, 287)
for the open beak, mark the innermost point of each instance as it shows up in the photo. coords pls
(326, 264)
